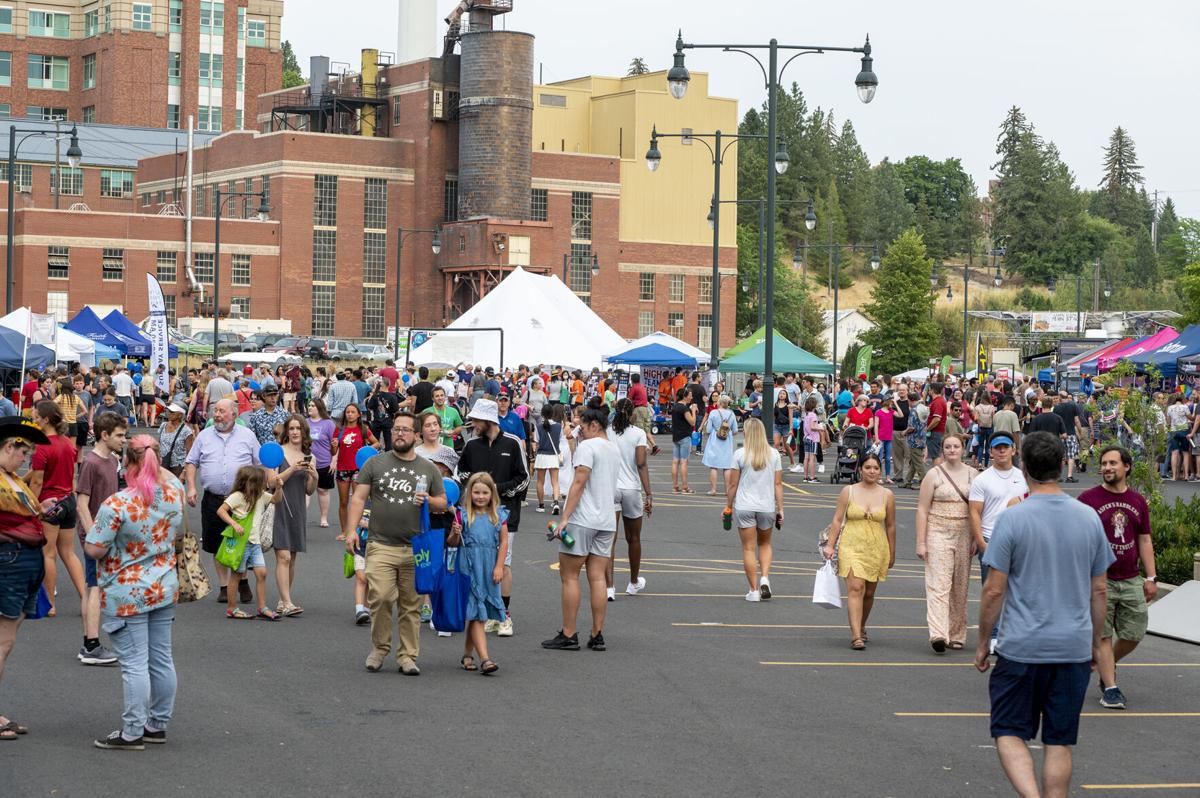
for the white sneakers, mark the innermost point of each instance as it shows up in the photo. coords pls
(820, 468)
(764, 588)
(612, 594)
(753, 595)
(489, 627)
(505, 628)
(633, 588)
(796, 469)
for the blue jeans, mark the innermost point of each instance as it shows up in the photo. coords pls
(985, 452)
(885, 454)
(142, 644)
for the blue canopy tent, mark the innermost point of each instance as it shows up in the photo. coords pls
(12, 352)
(89, 325)
(654, 355)
(1165, 357)
(125, 327)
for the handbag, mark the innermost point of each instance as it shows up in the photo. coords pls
(723, 430)
(193, 579)
(264, 525)
(554, 446)
(827, 591)
(450, 601)
(429, 552)
(233, 543)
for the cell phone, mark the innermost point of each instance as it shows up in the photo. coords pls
(308, 458)
(778, 521)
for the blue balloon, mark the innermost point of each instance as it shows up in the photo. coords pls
(364, 454)
(451, 491)
(271, 455)
(254, 386)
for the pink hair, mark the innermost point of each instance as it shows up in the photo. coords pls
(141, 471)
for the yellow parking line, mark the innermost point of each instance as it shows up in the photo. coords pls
(719, 625)
(1109, 714)
(1179, 786)
(740, 596)
(952, 664)
(797, 490)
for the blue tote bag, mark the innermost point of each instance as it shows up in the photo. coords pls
(429, 552)
(450, 602)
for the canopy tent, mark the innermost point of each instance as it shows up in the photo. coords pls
(91, 326)
(1188, 366)
(186, 345)
(69, 346)
(752, 340)
(659, 349)
(13, 353)
(542, 321)
(124, 326)
(1164, 357)
(785, 357)
(1074, 363)
(1147, 344)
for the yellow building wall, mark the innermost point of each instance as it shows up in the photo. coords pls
(614, 116)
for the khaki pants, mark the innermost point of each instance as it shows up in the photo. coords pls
(916, 464)
(390, 583)
(899, 458)
(947, 571)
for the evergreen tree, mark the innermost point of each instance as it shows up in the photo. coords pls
(887, 212)
(1168, 221)
(1145, 262)
(905, 335)
(292, 76)
(1188, 286)
(1121, 199)
(637, 67)
(1014, 126)
(797, 315)
(1172, 251)
(943, 199)
(853, 171)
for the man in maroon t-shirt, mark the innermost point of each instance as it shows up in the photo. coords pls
(642, 417)
(98, 479)
(1126, 519)
(936, 425)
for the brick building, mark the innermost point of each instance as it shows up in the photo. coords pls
(148, 64)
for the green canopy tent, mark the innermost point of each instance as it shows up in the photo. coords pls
(750, 341)
(785, 357)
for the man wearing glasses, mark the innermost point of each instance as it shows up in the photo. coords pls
(390, 481)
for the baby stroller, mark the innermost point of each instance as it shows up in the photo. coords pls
(850, 450)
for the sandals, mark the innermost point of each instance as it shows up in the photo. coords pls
(11, 729)
(488, 667)
(467, 663)
(859, 644)
(685, 489)
(956, 645)
(265, 614)
(288, 610)
(238, 614)
(675, 488)
(324, 525)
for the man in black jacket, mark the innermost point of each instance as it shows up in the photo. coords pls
(500, 455)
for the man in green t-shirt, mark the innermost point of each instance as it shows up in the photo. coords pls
(452, 422)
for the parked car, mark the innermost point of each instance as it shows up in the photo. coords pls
(260, 341)
(230, 341)
(292, 345)
(331, 349)
(374, 352)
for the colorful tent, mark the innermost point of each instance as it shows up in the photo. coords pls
(69, 346)
(1073, 365)
(785, 356)
(1165, 357)
(753, 339)
(1147, 344)
(659, 349)
(13, 353)
(89, 325)
(124, 326)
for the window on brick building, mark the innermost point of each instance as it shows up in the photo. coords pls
(539, 205)
(396, 110)
(241, 24)
(174, 68)
(375, 203)
(704, 289)
(202, 267)
(324, 265)
(49, 72)
(372, 312)
(141, 16)
(58, 263)
(56, 306)
(175, 16)
(72, 180)
(91, 23)
(704, 331)
(107, 26)
(266, 190)
(646, 286)
(170, 307)
(241, 75)
(240, 271)
(323, 299)
(581, 215)
(46, 113)
(239, 307)
(5, 69)
(212, 69)
(199, 206)
(112, 264)
(166, 266)
(208, 117)
(579, 275)
(374, 257)
(238, 122)
(89, 114)
(256, 33)
(325, 191)
(675, 324)
(212, 17)
(249, 204)
(49, 23)
(6, 20)
(89, 71)
(23, 175)
(676, 288)
(5, 110)
(450, 200)
(645, 322)
(116, 183)
(173, 117)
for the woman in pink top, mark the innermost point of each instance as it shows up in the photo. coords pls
(883, 433)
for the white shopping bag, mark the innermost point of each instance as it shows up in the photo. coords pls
(827, 592)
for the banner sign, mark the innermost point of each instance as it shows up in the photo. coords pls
(982, 360)
(863, 365)
(156, 331)
(1053, 321)
(43, 329)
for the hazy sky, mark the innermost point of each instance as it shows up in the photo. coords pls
(948, 70)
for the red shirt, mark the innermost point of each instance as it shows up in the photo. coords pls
(350, 440)
(637, 395)
(1125, 516)
(57, 464)
(860, 416)
(390, 374)
(27, 392)
(937, 408)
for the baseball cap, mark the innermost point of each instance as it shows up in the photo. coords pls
(1000, 439)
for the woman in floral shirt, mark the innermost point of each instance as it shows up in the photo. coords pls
(133, 540)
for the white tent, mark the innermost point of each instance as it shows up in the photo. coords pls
(69, 346)
(543, 322)
(666, 339)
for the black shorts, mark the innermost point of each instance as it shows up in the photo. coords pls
(81, 432)
(325, 478)
(211, 525)
(1026, 694)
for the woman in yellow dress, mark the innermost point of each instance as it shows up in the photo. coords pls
(865, 526)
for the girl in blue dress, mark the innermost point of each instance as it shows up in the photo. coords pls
(482, 551)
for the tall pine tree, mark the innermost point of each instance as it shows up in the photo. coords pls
(905, 335)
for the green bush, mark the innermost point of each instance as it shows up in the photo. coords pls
(1176, 534)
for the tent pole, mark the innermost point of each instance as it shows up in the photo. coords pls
(24, 358)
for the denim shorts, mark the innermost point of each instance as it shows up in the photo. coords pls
(22, 569)
(683, 449)
(252, 558)
(1025, 695)
(810, 447)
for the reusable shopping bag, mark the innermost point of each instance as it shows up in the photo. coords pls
(826, 590)
(450, 601)
(429, 549)
(233, 543)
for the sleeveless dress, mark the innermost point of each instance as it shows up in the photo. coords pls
(289, 532)
(477, 554)
(863, 547)
(947, 559)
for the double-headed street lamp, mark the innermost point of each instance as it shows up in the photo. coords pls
(74, 156)
(219, 199)
(717, 151)
(866, 82)
(836, 249)
(435, 245)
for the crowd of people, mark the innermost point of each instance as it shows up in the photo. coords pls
(585, 441)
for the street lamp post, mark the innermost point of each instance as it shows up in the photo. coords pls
(761, 202)
(836, 254)
(717, 151)
(74, 155)
(436, 246)
(219, 199)
(595, 267)
(677, 82)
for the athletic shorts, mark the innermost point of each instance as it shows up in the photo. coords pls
(1025, 695)
(325, 478)
(934, 445)
(588, 541)
(211, 525)
(346, 476)
(1127, 615)
(630, 504)
(745, 519)
(1071, 447)
(81, 432)
(508, 554)
(682, 449)
(252, 558)
(810, 447)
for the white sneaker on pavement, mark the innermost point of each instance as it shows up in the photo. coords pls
(753, 595)
(820, 468)
(633, 588)
(796, 469)
(505, 628)
(490, 626)
(612, 594)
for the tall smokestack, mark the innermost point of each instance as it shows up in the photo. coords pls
(417, 34)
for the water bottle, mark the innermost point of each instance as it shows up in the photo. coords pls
(567, 538)
(727, 518)
(422, 485)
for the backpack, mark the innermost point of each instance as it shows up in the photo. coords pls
(723, 430)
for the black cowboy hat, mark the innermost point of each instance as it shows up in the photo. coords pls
(23, 428)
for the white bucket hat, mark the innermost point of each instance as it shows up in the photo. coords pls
(485, 410)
